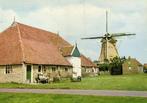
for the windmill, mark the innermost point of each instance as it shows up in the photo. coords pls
(108, 46)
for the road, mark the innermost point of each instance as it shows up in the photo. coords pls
(79, 92)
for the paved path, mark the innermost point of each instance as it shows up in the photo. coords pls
(79, 92)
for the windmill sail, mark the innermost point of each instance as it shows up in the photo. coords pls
(108, 47)
(100, 37)
(122, 34)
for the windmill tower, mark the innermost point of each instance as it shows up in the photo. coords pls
(108, 50)
(108, 47)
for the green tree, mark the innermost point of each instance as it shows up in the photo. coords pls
(116, 65)
(104, 67)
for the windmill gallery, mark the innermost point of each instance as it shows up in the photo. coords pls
(33, 53)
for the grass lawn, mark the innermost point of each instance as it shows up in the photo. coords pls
(53, 98)
(102, 82)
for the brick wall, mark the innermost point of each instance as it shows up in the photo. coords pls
(47, 71)
(17, 74)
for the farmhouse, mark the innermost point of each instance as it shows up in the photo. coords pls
(26, 51)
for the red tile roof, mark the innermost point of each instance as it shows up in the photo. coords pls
(42, 53)
(85, 62)
(22, 43)
(66, 51)
(10, 49)
(32, 33)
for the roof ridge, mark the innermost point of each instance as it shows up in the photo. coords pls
(36, 27)
(43, 30)
(70, 46)
(21, 43)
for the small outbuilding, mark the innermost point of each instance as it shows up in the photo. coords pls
(132, 66)
(145, 68)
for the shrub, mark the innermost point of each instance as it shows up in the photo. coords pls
(78, 79)
(56, 79)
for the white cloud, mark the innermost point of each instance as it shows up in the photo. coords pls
(6, 17)
(71, 18)
(76, 19)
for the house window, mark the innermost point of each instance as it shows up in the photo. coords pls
(92, 70)
(8, 69)
(39, 68)
(53, 69)
(84, 69)
(44, 68)
(66, 69)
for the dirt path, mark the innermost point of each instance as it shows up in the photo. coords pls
(79, 92)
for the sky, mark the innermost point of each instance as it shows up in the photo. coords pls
(74, 19)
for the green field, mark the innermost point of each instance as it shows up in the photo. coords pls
(53, 98)
(102, 82)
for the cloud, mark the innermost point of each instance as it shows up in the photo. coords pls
(6, 17)
(74, 19)
(71, 17)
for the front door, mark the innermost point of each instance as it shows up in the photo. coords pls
(28, 73)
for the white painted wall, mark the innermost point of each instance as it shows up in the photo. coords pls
(32, 73)
(76, 63)
(24, 73)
